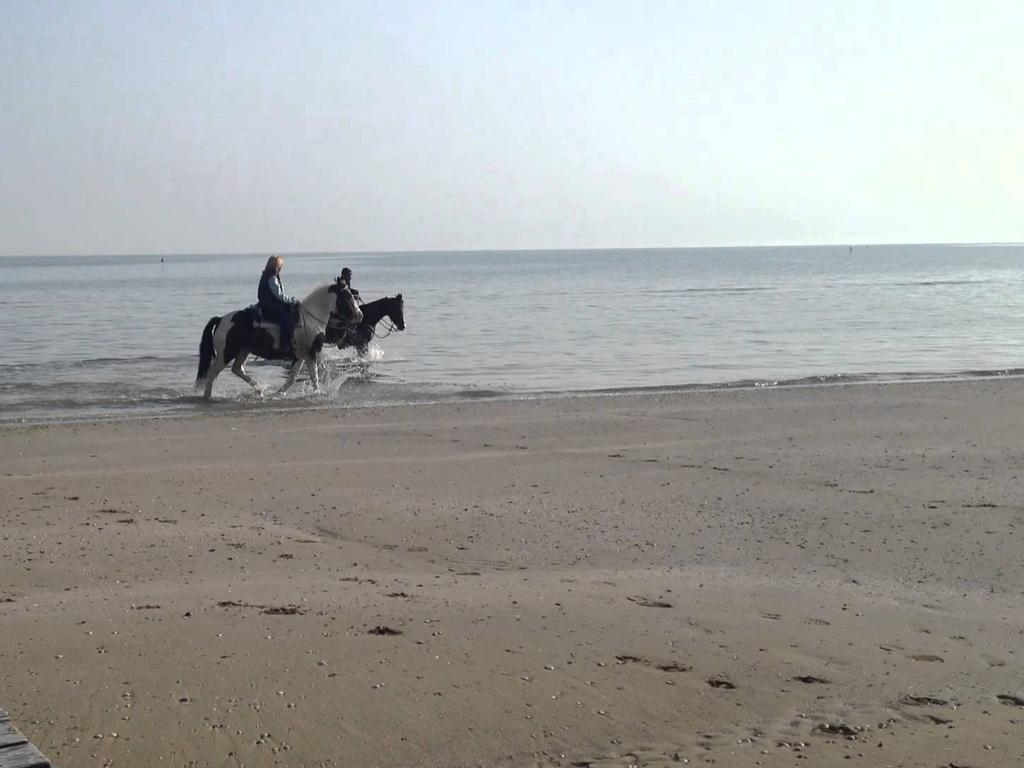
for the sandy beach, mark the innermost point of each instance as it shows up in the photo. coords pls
(774, 577)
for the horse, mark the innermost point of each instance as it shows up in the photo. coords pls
(238, 334)
(359, 336)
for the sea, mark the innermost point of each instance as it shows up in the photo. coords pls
(117, 337)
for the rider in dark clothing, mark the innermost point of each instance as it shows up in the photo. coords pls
(275, 303)
(346, 279)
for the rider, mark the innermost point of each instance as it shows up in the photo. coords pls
(275, 303)
(346, 279)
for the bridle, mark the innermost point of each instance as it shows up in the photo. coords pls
(322, 321)
(390, 327)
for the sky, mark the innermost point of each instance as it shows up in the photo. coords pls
(215, 127)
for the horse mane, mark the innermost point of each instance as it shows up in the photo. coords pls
(379, 308)
(319, 289)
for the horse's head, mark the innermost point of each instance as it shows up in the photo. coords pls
(396, 311)
(345, 307)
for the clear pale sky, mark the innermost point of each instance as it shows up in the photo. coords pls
(173, 127)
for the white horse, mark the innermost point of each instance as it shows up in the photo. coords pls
(236, 335)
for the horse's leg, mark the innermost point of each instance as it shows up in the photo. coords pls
(215, 368)
(363, 335)
(293, 371)
(239, 370)
(313, 366)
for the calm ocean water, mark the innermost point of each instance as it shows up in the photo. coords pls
(102, 337)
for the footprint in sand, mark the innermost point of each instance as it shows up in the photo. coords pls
(283, 610)
(838, 729)
(923, 701)
(628, 659)
(672, 666)
(721, 682)
(647, 602)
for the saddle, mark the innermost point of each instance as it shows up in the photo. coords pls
(280, 348)
(261, 320)
(258, 318)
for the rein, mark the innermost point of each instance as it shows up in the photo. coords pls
(389, 324)
(391, 328)
(304, 311)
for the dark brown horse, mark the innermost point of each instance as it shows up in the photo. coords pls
(360, 335)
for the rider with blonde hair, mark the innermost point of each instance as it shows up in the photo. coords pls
(275, 303)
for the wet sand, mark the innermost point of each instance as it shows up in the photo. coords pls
(806, 576)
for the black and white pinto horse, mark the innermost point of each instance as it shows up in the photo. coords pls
(360, 335)
(231, 338)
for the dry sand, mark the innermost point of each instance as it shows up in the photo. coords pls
(816, 576)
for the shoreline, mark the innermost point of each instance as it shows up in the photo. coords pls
(740, 576)
(271, 406)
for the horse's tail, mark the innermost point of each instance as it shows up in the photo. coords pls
(206, 351)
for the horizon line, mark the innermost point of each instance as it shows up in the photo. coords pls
(393, 251)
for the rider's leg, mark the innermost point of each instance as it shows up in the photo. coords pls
(280, 315)
(287, 329)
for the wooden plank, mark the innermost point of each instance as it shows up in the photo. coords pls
(9, 735)
(22, 756)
